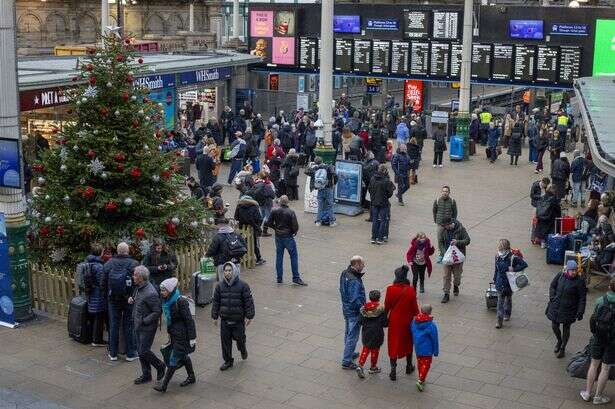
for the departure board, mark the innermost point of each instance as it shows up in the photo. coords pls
(481, 61)
(445, 25)
(419, 58)
(362, 56)
(546, 63)
(440, 54)
(502, 62)
(569, 64)
(416, 24)
(343, 55)
(381, 54)
(456, 56)
(308, 53)
(400, 57)
(523, 67)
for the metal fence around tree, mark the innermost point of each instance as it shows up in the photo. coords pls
(52, 287)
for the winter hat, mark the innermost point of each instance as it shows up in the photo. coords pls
(562, 154)
(246, 197)
(170, 284)
(576, 153)
(401, 273)
(571, 265)
(412, 123)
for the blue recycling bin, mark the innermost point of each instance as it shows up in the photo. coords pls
(456, 148)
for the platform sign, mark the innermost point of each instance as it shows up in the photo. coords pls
(7, 308)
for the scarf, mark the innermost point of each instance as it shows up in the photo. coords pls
(166, 306)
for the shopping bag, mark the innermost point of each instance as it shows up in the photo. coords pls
(453, 256)
(517, 281)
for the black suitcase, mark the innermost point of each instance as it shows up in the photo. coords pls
(79, 327)
(491, 297)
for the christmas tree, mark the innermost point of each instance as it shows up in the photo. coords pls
(105, 179)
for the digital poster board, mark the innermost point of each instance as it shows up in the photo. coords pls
(502, 62)
(362, 56)
(343, 55)
(400, 57)
(445, 25)
(381, 57)
(419, 58)
(546, 63)
(349, 176)
(456, 57)
(440, 54)
(526, 29)
(525, 57)
(308, 53)
(10, 165)
(416, 24)
(347, 24)
(481, 61)
(569, 64)
(272, 36)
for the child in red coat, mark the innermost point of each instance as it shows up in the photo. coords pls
(418, 258)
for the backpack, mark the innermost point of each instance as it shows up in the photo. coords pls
(86, 278)
(320, 179)
(602, 322)
(119, 283)
(234, 246)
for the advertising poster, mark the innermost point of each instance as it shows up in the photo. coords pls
(349, 174)
(6, 280)
(284, 24)
(604, 50)
(261, 23)
(166, 97)
(10, 169)
(261, 47)
(413, 90)
(283, 50)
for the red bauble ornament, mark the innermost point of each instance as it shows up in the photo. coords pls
(88, 192)
(38, 168)
(127, 41)
(140, 232)
(165, 174)
(89, 67)
(120, 167)
(104, 111)
(44, 231)
(60, 230)
(135, 172)
(145, 100)
(111, 206)
(91, 154)
(165, 142)
(129, 78)
(135, 124)
(171, 229)
(125, 96)
(119, 58)
(120, 157)
(92, 80)
(157, 134)
(140, 60)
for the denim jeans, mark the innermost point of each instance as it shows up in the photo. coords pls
(533, 153)
(236, 165)
(380, 216)
(402, 186)
(121, 313)
(504, 308)
(281, 244)
(325, 206)
(577, 192)
(351, 336)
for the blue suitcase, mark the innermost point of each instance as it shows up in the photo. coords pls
(556, 248)
(456, 148)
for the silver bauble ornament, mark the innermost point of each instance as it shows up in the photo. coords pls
(41, 180)
(84, 100)
(109, 85)
(134, 98)
(145, 147)
(78, 102)
(75, 148)
(67, 198)
(194, 224)
(104, 175)
(147, 119)
(47, 197)
(87, 214)
(95, 131)
(128, 201)
(82, 181)
(160, 104)
(63, 168)
(70, 221)
(117, 113)
(155, 178)
(48, 219)
(141, 112)
(175, 220)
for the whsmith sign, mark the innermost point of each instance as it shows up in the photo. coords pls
(156, 81)
(213, 74)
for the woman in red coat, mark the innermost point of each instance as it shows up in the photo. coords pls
(418, 258)
(400, 303)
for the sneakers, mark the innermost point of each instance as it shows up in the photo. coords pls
(261, 262)
(131, 358)
(435, 166)
(374, 370)
(499, 323)
(226, 365)
(142, 379)
(94, 344)
(601, 400)
(300, 282)
(385, 239)
(586, 396)
(318, 224)
(360, 372)
(440, 166)
(332, 224)
(445, 299)
(439, 259)
(112, 358)
(349, 366)
(373, 241)
(507, 318)
(379, 242)
(420, 386)
(279, 281)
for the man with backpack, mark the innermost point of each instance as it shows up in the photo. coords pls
(117, 284)
(601, 347)
(226, 246)
(323, 179)
(90, 273)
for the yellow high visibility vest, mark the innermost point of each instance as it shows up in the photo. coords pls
(485, 117)
(562, 120)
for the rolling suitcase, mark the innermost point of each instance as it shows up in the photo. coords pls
(567, 224)
(533, 239)
(556, 248)
(79, 327)
(456, 148)
(491, 297)
(202, 288)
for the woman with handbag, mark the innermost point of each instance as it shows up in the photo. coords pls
(505, 261)
(182, 334)
(566, 304)
(401, 306)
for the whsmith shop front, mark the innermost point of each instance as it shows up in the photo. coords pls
(213, 77)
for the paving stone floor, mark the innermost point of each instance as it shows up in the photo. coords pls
(296, 340)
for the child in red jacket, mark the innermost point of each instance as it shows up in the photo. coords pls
(418, 258)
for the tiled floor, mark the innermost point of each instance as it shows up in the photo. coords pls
(295, 342)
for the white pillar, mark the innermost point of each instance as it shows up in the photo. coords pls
(325, 95)
(236, 28)
(12, 201)
(104, 17)
(466, 59)
(191, 17)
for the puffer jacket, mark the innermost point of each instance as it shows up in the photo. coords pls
(425, 335)
(567, 297)
(401, 164)
(97, 302)
(232, 301)
(443, 208)
(502, 263)
(577, 167)
(373, 320)
(352, 292)
(182, 328)
(247, 213)
(380, 190)
(146, 308)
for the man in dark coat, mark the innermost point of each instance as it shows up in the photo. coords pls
(247, 213)
(537, 188)
(560, 172)
(205, 166)
(454, 235)
(370, 167)
(352, 293)
(161, 263)
(380, 190)
(146, 310)
(401, 166)
(219, 244)
(233, 304)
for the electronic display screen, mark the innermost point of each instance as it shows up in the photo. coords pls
(523, 69)
(343, 55)
(481, 61)
(400, 57)
(526, 29)
(308, 53)
(502, 62)
(546, 63)
(440, 52)
(347, 24)
(445, 25)
(419, 58)
(456, 56)
(381, 54)
(362, 56)
(416, 24)
(10, 166)
(569, 64)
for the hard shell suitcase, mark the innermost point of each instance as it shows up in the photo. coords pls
(567, 224)
(202, 288)
(256, 166)
(456, 148)
(79, 327)
(491, 297)
(556, 248)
